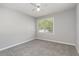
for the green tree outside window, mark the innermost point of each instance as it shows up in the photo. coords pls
(46, 24)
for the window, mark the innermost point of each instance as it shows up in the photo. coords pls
(45, 25)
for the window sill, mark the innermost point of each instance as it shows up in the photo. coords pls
(50, 33)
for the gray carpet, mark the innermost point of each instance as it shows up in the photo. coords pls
(40, 48)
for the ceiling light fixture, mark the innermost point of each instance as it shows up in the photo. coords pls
(38, 9)
(36, 6)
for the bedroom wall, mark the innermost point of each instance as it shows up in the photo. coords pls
(15, 28)
(64, 28)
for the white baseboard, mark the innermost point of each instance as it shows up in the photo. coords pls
(56, 41)
(77, 50)
(16, 44)
(33, 39)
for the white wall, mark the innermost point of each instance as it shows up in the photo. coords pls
(15, 27)
(77, 32)
(64, 28)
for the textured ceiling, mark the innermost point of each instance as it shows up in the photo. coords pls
(46, 8)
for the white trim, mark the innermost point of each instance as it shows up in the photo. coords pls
(16, 44)
(34, 39)
(42, 19)
(56, 41)
(77, 50)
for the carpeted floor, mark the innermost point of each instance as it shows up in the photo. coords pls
(40, 48)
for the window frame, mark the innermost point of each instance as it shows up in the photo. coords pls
(37, 28)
